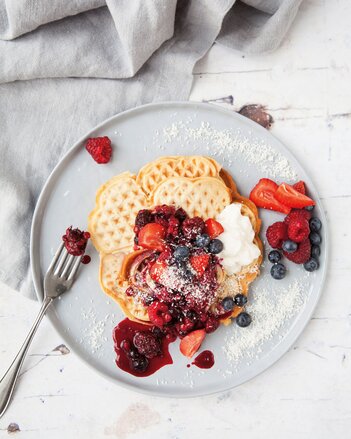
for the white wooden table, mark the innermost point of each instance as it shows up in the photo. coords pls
(307, 89)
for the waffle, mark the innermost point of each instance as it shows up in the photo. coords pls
(111, 222)
(198, 185)
(110, 266)
(205, 197)
(154, 173)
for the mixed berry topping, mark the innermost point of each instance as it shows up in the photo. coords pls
(75, 241)
(298, 235)
(100, 149)
(174, 273)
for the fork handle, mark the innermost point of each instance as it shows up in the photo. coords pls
(8, 381)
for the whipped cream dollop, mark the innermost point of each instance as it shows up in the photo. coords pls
(238, 247)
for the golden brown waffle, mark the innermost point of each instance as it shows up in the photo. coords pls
(110, 266)
(205, 197)
(168, 180)
(154, 173)
(111, 222)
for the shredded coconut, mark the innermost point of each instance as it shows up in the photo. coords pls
(224, 143)
(269, 314)
(94, 332)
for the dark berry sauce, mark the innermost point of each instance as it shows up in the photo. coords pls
(125, 331)
(205, 360)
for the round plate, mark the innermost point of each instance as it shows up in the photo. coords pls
(85, 317)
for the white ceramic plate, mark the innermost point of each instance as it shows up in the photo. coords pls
(85, 317)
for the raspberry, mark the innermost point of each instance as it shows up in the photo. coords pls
(298, 230)
(211, 324)
(158, 314)
(147, 344)
(192, 227)
(75, 241)
(144, 217)
(297, 214)
(302, 254)
(276, 234)
(100, 149)
(173, 227)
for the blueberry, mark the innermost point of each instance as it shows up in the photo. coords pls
(289, 246)
(202, 240)
(243, 319)
(278, 271)
(315, 224)
(240, 300)
(228, 303)
(315, 238)
(216, 246)
(315, 251)
(140, 363)
(274, 256)
(311, 265)
(309, 208)
(181, 253)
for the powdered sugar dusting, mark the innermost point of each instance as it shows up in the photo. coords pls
(226, 145)
(269, 314)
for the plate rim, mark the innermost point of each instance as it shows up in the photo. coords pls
(36, 226)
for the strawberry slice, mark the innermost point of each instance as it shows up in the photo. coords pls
(300, 187)
(289, 196)
(152, 236)
(192, 342)
(213, 228)
(263, 195)
(200, 263)
(157, 270)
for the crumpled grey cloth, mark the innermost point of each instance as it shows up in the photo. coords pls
(66, 65)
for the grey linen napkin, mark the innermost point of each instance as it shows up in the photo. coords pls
(67, 65)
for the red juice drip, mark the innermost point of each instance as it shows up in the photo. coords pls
(126, 330)
(205, 360)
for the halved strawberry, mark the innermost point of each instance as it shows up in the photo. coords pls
(151, 236)
(157, 270)
(191, 343)
(213, 228)
(300, 187)
(289, 196)
(263, 195)
(200, 263)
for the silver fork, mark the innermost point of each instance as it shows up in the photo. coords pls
(58, 279)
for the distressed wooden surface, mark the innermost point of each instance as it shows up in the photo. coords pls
(305, 87)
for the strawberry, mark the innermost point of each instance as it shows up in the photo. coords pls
(157, 270)
(289, 196)
(298, 214)
(298, 230)
(200, 263)
(213, 228)
(191, 343)
(100, 149)
(152, 237)
(263, 195)
(276, 234)
(302, 254)
(300, 187)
